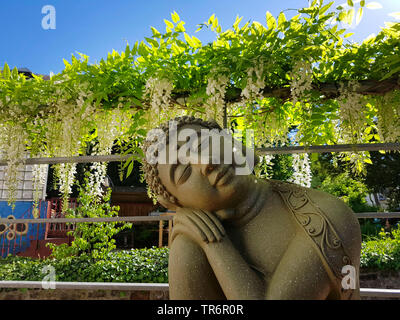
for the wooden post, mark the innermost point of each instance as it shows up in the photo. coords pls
(169, 232)
(225, 120)
(160, 233)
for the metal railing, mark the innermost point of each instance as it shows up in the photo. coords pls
(364, 292)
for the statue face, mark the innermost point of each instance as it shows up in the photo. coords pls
(201, 184)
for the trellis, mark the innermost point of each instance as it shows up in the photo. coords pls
(276, 150)
(300, 70)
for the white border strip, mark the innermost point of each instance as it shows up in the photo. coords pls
(381, 293)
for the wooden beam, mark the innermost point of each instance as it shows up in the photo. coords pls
(261, 151)
(89, 220)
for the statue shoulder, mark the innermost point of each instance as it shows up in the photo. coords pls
(321, 199)
(301, 199)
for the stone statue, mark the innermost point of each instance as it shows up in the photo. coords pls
(239, 237)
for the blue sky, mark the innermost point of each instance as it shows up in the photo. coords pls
(95, 27)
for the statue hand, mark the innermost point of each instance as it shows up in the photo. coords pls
(201, 226)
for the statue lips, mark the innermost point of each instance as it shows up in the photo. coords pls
(223, 173)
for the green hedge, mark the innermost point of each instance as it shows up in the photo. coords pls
(151, 265)
(136, 265)
(382, 252)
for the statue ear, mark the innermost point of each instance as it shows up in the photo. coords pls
(166, 203)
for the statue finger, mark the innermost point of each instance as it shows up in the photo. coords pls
(211, 224)
(202, 226)
(187, 231)
(196, 227)
(216, 222)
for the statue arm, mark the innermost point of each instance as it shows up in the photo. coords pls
(185, 256)
(236, 278)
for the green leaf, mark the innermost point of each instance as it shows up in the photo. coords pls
(176, 49)
(169, 24)
(211, 19)
(236, 24)
(215, 23)
(179, 27)
(325, 8)
(350, 3)
(271, 22)
(391, 73)
(359, 15)
(155, 32)
(127, 50)
(350, 16)
(6, 71)
(197, 42)
(14, 73)
(281, 18)
(367, 160)
(153, 42)
(175, 17)
(362, 3)
(189, 40)
(130, 168)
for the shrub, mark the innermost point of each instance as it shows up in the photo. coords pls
(382, 252)
(135, 265)
(351, 191)
(94, 239)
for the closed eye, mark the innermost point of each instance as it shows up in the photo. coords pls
(186, 172)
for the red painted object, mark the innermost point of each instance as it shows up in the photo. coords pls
(54, 233)
(54, 210)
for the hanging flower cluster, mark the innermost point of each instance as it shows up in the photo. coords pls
(159, 92)
(65, 172)
(276, 129)
(388, 118)
(110, 125)
(301, 83)
(39, 175)
(216, 87)
(264, 169)
(255, 82)
(357, 161)
(12, 137)
(302, 171)
(351, 113)
(58, 117)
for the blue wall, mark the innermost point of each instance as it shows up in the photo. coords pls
(12, 241)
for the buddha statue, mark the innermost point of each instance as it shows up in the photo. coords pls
(240, 237)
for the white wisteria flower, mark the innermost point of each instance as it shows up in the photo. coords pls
(351, 113)
(255, 82)
(159, 91)
(302, 171)
(388, 119)
(216, 88)
(302, 78)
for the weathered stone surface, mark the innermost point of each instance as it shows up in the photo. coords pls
(239, 237)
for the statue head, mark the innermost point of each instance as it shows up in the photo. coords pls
(202, 180)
